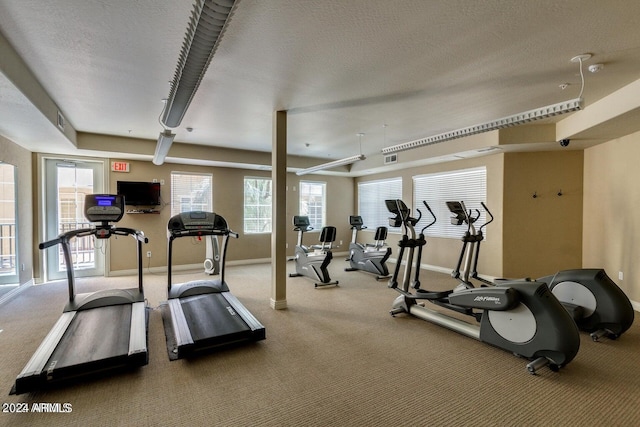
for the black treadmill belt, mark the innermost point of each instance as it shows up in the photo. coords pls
(94, 335)
(211, 316)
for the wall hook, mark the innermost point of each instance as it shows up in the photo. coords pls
(535, 195)
(560, 193)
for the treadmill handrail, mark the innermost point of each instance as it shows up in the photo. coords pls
(136, 234)
(64, 239)
(66, 236)
(201, 232)
(197, 233)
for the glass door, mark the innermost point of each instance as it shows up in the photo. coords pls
(8, 225)
(67, 183)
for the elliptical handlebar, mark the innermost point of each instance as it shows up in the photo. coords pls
(414, 221)
(432, 214)
(489, 213)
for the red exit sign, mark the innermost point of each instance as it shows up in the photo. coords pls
(120, 166)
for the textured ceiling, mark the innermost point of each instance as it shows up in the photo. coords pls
(340, 67)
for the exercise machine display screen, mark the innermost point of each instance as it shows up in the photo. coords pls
(103, 207)
(197, 220)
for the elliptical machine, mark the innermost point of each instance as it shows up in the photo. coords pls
(313, 261)
(595, 302)
(368, 257)
(518, 316)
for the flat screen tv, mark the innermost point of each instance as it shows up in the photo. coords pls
(139, 193)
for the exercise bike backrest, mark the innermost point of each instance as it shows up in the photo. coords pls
(380, 236)
(327, 237)
(302, 224)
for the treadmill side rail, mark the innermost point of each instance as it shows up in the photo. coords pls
(179, 322)
(37, 363)
(246, 315)
(138, 331)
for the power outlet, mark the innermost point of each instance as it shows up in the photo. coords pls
(148, 254)
(620, 275)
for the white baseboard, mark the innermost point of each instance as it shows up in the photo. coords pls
(186, 267)
(278, 305)
(436, 268)
(14, 292)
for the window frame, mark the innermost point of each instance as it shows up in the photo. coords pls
(179, 199)
(468, 185)
(384, 189)
(304, 211)
(266, 208)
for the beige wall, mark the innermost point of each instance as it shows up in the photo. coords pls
(542, 235)
(551, 224)
(611, 216)
(442, 252)
(228, 200)
(14, 154)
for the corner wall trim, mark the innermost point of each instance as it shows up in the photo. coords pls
(14, 292)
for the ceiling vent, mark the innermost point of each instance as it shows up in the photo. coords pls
(61, 121)
(390, 159)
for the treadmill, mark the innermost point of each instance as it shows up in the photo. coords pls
(98, 332)
(203, 314)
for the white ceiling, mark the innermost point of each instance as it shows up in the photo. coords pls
(340, 67)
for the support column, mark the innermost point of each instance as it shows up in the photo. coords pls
(279, 211)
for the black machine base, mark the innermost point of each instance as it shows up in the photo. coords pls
(212, 321)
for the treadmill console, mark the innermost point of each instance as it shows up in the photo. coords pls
(103, 207)
(194, 221)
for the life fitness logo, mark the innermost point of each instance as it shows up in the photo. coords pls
(480, 298)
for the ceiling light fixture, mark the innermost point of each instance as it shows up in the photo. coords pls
(162, 148)
(513, 120)
(206, 26)
(330, 165)
(336, 163)
(205, 29)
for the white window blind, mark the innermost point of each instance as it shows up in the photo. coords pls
(466, 185)
(257, 205)
(312, 202)
(191, 192)
(371, 197)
